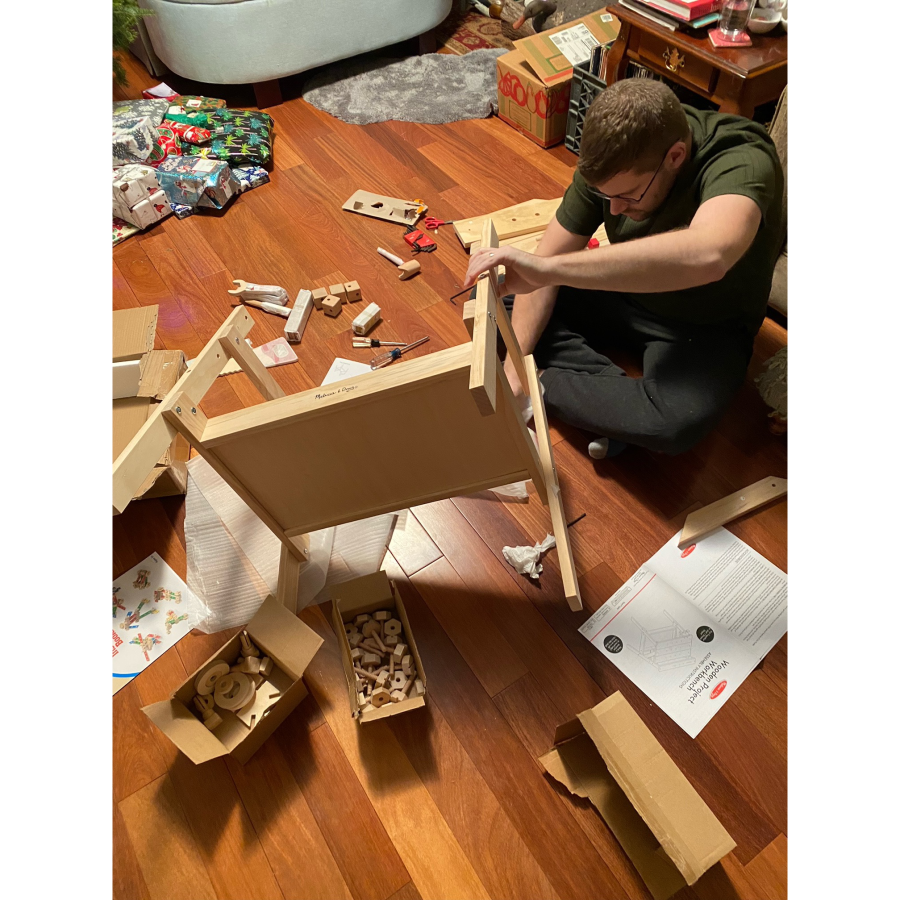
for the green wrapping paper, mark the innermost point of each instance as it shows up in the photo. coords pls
(239, 136)
(195, 103)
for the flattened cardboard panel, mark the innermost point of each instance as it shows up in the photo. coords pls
(368, 590)
(425, 442)
(133, 332)
(577, 764)
(128, 415)
(685, 826)
(160, 369)
(257, 737)
(185, 731)
(284, 637)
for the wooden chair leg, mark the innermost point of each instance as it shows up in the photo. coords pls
(427, 42)
(268, 93)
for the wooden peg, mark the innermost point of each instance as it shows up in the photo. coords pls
(409, 683)
(393, 626)
(380, 697)
(204, 703)
(248, 647)
(364, 673)
(391, 662)
(371, 646)
(377, 638)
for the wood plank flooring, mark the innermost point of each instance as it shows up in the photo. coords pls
(448, 802)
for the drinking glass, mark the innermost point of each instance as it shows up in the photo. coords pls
(735, 16)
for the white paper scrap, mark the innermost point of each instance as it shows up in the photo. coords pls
(526, 560)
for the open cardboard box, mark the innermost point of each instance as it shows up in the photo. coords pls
(367, 595)
(142, 377)
(610, 756)
(289, 643)
(534, 80)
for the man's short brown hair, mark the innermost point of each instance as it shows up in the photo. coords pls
(629, 126)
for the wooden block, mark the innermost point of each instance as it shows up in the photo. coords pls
(361, 699)
(381, 616)
(354, 639)
(300, 312)
(356, 655)
(382, 679)
(354, 294)
(370, 627)
(318, 295)
(419, 688)
(380, 697)
(265, 666)
(406, 664)
(371, 659)
(331, 306)
(393, 627)
(399, 653)
(397, 696)
(339, 291)
(361, 620)
(366, 320)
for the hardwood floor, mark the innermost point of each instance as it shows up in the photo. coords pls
(448, 802)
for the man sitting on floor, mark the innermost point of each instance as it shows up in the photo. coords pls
(691, 201)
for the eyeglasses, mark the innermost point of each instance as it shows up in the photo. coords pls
(635, 199)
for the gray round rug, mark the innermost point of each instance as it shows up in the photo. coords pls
(434, 88)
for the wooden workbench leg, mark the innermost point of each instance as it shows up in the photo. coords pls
(554, 497)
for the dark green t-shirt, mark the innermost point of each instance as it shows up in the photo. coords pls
(729, 155)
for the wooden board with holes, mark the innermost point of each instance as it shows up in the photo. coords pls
(388, 209)
(514, 221)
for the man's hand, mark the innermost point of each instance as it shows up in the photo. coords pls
(525, 272)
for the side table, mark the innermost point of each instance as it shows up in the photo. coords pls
(737, 80)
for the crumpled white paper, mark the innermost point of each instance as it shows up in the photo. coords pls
(526, 560)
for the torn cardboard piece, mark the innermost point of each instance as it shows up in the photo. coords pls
(134, 331)
(289, 643)
(609, 756)
(367, 595)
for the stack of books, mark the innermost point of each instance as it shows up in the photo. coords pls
(685, 15)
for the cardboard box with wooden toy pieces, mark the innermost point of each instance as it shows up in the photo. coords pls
(365, 596)
(142, 377)
(534, 80)
(611, 757)
(289, 643)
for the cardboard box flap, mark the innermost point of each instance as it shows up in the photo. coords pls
(689, 833)
(134, 331)
(365, 591)
(160, 369)
(578, 766)
(547, 59)
(185, 731)
(284, 637)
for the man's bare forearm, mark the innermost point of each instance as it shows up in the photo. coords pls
(531, 312)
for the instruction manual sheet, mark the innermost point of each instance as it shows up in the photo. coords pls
(690, 625)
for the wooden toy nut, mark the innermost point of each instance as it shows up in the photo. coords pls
(371, 627)
(398, 680)
(206, 679)
(382, 678)
(393, 626)
(354, 638)
(371, 659)
(391, 640)
(380, 697)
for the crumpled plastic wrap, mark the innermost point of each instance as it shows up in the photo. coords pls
(526, 560)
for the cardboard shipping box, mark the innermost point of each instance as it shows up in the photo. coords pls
(611, 757)
(142, 377)
(289, 643)
(367, 595)
(535, 79)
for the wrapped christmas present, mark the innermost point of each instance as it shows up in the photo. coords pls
(181, 210)
(250, 177)
(154, 110)
(122, 230)
(194, 103)
(197, 182)
(190, 134)
(167, 143)
(132, 140)
(133, 183)
(177, 113)
(239, 136)
(148, 212)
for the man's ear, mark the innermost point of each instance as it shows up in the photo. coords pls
(677, 154)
